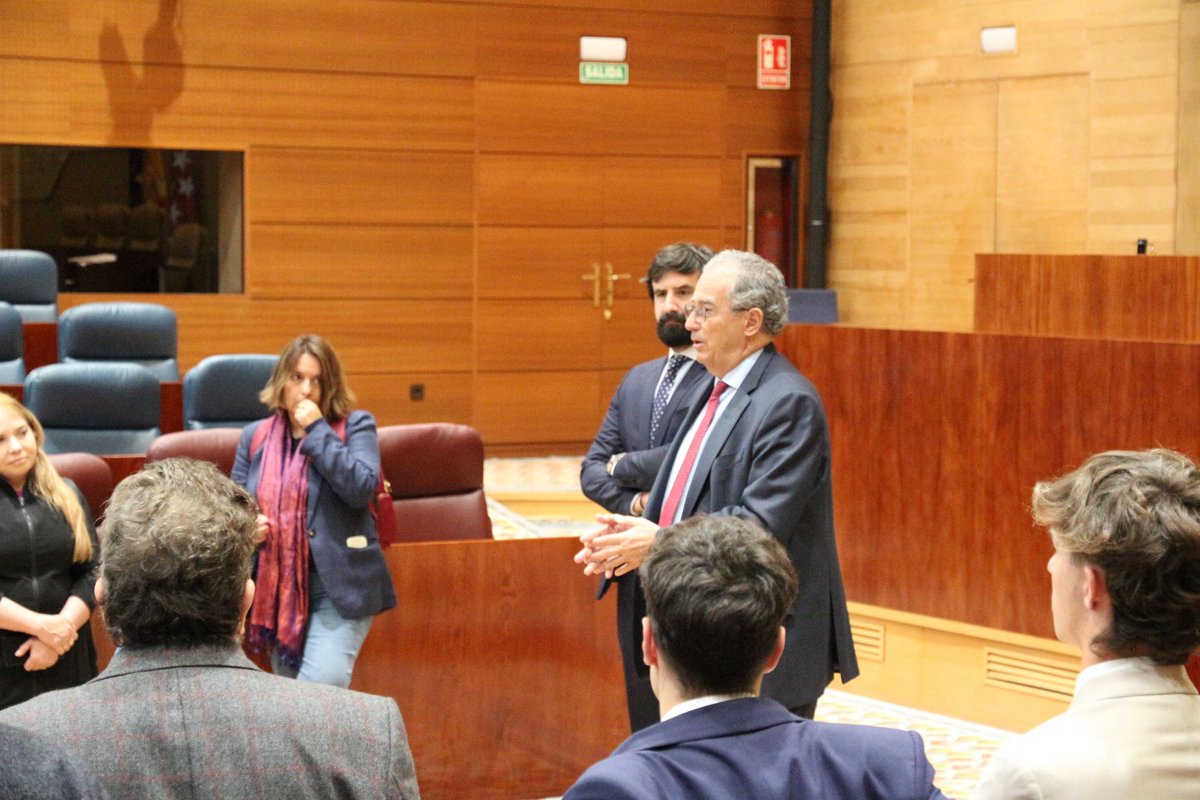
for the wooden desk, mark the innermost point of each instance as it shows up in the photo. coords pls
(1146, 298)
(938, 439)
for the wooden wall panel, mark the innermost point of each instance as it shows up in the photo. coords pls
(953, 212)
(538, 190)
(114, 103)
(938, 439)
(571, 191)
(448, 396)
(1108, 148)
(543, 407)
(1042, 165)
(349, 36)
(359, 261)
(518, 334)
(538, 262)
(542, 44)
(662, 191)
(598, 120)
(1187, 221)
(216, 108)
(365, 187)
(751, 8)
(749, 104)
(628, 336)
(370, 335)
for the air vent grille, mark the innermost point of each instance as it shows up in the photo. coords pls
(868, 639)
(1043, 675)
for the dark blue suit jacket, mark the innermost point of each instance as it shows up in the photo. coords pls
(626, 429)
(754, 748)
(341, 485)
(767, 460)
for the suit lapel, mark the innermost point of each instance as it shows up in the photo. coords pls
(721, 431)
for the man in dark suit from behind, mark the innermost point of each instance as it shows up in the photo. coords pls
(645, 412)
(717, 591)
(180, 712)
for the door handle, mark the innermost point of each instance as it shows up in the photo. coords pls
(612, 279)
(594, 277)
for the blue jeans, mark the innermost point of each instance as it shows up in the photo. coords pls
(331, 643)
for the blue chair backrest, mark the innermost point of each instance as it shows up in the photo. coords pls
(106, 409)
(29, 283)
(12, 346)
(140, 333)
(222, 391)
(812, 305)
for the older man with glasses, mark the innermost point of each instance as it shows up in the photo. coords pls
(755, 445)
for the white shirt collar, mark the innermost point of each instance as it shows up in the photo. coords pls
(701, 702)
(1111, 666)
(689, 351)
(738, 374)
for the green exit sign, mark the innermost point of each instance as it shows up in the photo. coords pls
(603, 72)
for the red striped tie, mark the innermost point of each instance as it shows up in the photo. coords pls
(685, 470)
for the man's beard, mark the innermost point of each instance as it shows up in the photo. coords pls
(672, 330)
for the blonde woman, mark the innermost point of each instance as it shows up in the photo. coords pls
(47, 552)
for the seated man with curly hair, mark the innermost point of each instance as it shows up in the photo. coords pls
(1125, 578)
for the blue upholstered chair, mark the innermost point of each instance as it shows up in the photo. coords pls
(222, 391)
(29, 283)
(141, 333)
(12, 346)
(812, 306)
(106, 409)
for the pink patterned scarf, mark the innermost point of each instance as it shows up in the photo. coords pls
(280, 611)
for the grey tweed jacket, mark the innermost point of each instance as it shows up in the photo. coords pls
(205, 722)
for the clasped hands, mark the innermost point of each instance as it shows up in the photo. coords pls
(616, 548)
(55, 635)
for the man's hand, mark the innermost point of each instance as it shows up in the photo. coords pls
(617, 548)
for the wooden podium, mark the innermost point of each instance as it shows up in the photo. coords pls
(1141, 298)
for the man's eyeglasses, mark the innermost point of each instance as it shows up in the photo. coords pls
(702, 312)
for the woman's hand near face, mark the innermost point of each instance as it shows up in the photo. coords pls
(305, 413)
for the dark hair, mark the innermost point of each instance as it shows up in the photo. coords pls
(178, 541)
(1136, 517)
(682, 257)
(336, 397)
(717, 591)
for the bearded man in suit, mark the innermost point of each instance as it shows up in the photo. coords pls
(646, 411)
(1125, 589)
(755, 445)
(180, 712)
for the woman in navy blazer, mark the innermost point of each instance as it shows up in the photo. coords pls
(313, 467)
